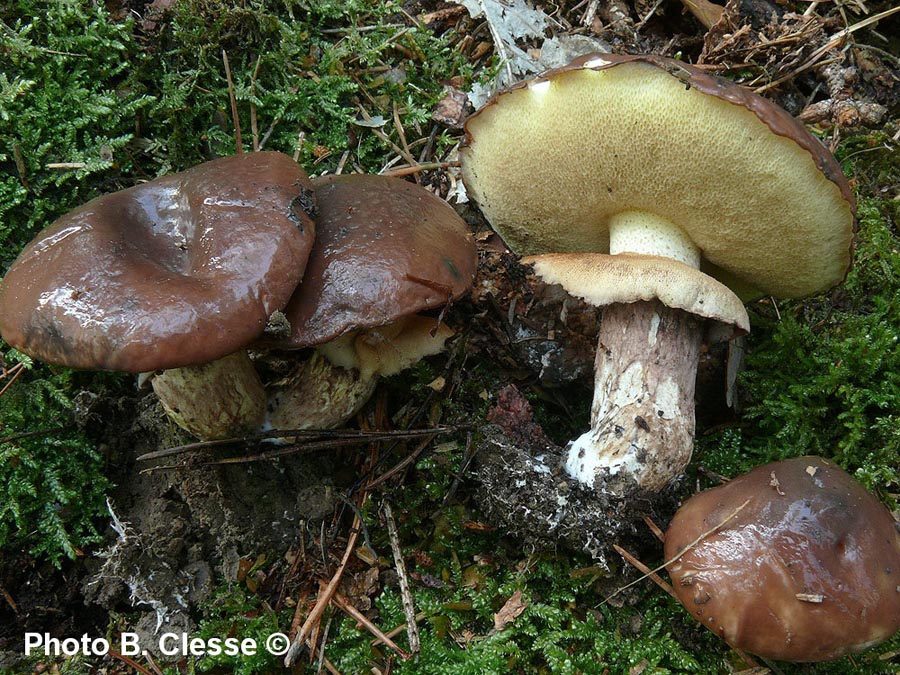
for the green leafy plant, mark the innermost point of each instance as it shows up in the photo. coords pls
(823, 377)
(52, 477)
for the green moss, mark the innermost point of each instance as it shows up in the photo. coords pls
(307, 68)
(236, 612)
(64, 98)
(823, 375)
(51, 478)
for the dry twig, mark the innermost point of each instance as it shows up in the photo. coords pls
(687, 548)
(344, 604)
(400, 171)
(654, 528)
(16, 371)
(9, 600)
(325, 597)
(409, 610)
(835, 41)
(234, 111)
(646, 571)
(339, 436)
(129, 662)
(153, 664)
(254, 128)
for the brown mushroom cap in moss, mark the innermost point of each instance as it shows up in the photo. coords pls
(177, 271)
(173, 275)
(386, 249)
(807, 570)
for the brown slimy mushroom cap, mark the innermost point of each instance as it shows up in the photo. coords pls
(177, 271)
(612, 279)
(385, 248)
(808, 570)
(556, 162)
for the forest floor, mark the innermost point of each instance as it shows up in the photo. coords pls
(94, 541)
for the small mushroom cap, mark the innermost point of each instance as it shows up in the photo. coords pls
(808, 570)
(385, 248)
(624, 278)
(551, 160)
(177, 271)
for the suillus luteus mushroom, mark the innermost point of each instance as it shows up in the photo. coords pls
(386, 250)
(793, 561)
(173, 277)
(663, 193)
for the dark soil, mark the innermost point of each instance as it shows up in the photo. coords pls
(177, 528)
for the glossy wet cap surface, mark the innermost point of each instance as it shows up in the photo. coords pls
(385, 248)
(808, 570)
(177, 271)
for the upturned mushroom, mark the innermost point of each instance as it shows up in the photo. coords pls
(793, 561)
(173, 277)
(385, 251)
(657, 188)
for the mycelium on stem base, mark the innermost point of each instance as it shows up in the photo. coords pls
(642, 417)
(645, 369)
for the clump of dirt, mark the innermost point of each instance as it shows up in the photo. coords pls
(175, 530)
(546, 330)
(524, 488)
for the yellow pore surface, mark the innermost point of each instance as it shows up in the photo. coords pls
(550, 163)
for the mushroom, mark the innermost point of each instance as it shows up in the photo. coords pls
(658, 188)
(385, 250)
(171, 275)
(793, 561)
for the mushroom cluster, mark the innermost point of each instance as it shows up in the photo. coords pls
(177, 277)
(385, 251)
(793, 561)
(664, 195)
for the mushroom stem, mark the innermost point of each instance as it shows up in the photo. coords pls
(335, 383)
(319, 395)
(650, 234)
(642, 417)
(213, 400)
